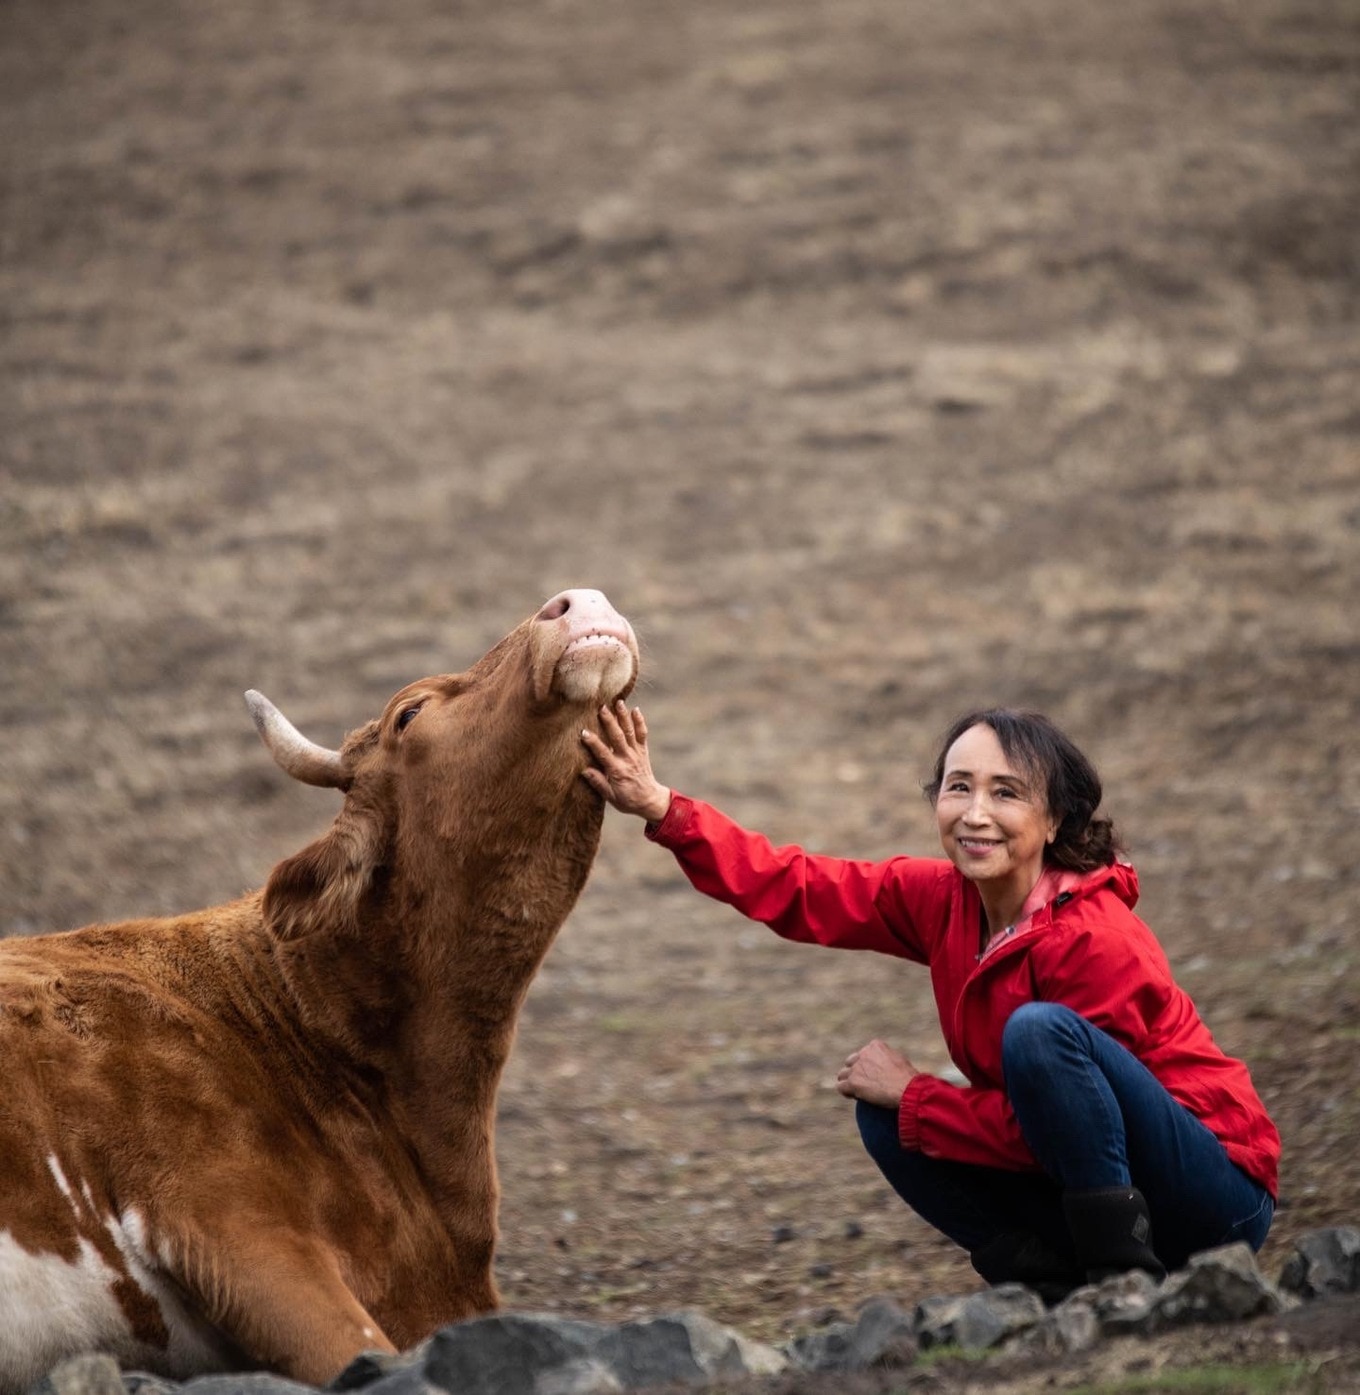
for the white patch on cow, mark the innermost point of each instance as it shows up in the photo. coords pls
(59, 1177)
(195, 1344)
(50, 1309)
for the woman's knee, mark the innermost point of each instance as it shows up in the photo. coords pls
(1031, 1034)
(917, 1179)
(1255, 1228)
(878, 1130)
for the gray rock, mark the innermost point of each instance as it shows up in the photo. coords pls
(1067, 1328)
(990, 1317)
(141, 1383)
(1125, 1303)
(934, 1320)
(1222, 1285)
(580, 1377)
(245, 1383)
(683, 1347)
(1323, 1262)
(882, 1335)
(82, 1375)
(409, 1380)
(369, 1367)
(827, 1350)
(501, 1355)
(1118, 1305)
(522, 1354)
(979, 1320)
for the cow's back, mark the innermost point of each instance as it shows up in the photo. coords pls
(101, 1049)
(160, 1099)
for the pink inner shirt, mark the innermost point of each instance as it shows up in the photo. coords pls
(1053, 881)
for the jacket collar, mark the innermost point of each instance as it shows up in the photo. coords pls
(1055, 888)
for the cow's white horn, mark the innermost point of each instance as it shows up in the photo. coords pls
(302, 759)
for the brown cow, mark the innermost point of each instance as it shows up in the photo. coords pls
(262, 1134)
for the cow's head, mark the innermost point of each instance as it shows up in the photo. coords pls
(463, 773)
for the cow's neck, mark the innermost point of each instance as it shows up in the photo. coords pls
(474, 964)
(475, 976)
(417, 1002)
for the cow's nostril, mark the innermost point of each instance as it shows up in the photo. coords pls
(556, 608)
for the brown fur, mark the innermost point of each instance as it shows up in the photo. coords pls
(295, 1092)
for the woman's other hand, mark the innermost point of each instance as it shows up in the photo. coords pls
(876, 1074)
(622, 773)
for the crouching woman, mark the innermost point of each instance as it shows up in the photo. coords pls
(1102, 1129)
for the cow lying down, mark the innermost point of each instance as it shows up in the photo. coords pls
(261, 1135)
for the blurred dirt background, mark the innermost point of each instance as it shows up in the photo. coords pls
(877, 358)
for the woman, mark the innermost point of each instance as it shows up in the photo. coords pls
(1102, 1129)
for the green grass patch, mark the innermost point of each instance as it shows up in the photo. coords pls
(622, 1022)
(1211, 1380)
(933, 1356)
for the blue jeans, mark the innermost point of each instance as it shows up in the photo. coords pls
(1093, 1116)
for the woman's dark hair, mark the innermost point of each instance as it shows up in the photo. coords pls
(1084, 842)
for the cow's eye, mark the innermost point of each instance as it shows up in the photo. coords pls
(404, 720)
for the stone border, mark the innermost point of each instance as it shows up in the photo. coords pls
(531, 1354)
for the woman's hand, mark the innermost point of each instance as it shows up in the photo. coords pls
(622, 773)
(876, 1074)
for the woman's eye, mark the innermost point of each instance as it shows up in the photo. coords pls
(406, 717)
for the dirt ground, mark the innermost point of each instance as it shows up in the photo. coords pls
(878, 358)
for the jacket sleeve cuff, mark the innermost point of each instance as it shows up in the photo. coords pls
(909, 1113)
(668, 829)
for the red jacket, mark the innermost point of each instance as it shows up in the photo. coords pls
(1085, 949)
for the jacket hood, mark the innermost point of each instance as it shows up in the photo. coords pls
(1057, 886)
(1120, 877)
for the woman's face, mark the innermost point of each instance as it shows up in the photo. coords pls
(994, 823)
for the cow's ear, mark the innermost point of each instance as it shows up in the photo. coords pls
(325, 886)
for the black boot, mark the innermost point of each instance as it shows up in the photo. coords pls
(1019, 1257)
(1112, 1232)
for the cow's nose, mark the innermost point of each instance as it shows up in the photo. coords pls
(580, 604)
